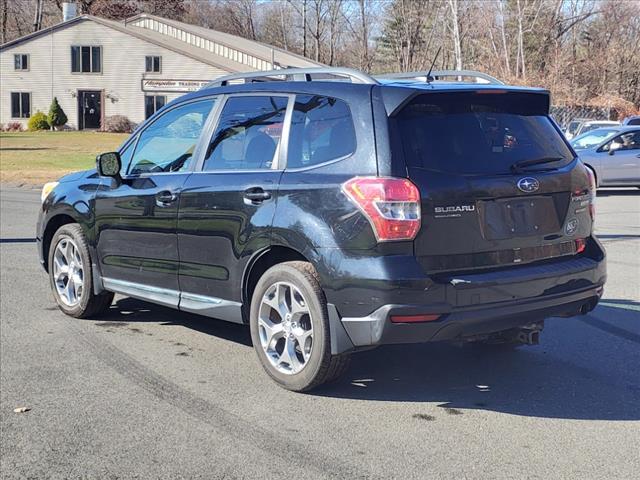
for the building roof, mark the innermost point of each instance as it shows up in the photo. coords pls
(250, 47)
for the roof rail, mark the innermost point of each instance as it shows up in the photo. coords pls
(295, 75)
(439, 74)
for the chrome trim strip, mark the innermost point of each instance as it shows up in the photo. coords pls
(211, 307)
(163, 296)
(184, 301)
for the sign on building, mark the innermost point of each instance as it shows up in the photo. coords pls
(157, 85)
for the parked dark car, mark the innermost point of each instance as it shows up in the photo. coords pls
(334, 216)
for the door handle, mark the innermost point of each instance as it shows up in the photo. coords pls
(165, 198)
(256, 195)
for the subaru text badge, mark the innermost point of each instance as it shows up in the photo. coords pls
(528, 184)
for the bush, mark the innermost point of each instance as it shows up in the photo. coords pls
(38, 121)
(13, 127)
(57, 118)
(117, 124)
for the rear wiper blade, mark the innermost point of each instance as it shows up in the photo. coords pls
(518, 166)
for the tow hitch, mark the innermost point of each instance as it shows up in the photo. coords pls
(529, 335)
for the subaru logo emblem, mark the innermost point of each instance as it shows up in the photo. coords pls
(528, 185)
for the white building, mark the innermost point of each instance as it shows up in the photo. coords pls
(98, 68)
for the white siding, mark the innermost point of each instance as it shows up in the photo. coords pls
(123, 65)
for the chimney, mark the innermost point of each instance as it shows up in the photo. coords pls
(68, 10)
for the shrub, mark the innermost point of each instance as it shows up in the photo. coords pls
(117, 124)
(13, 127)
(38, 121)
(57, 118)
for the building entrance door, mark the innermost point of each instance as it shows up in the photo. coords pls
(89, 109)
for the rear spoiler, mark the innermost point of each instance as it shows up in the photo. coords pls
(395, 98)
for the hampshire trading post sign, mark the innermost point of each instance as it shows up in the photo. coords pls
(153, 85)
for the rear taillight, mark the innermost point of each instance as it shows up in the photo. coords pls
(392, 205)
(581, 245)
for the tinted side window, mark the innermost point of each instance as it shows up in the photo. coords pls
(321, 130)
(167, 145)
(247, 135)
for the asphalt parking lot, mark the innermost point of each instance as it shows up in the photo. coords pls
(147, 392)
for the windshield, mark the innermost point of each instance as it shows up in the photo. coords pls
(591, 139)
(471, 133)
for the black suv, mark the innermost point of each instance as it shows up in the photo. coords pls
(334, 216)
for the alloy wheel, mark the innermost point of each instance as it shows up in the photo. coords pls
(68, 272)
(285, 328)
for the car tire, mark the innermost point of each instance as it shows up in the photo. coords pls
(290, 328)
(70, 274)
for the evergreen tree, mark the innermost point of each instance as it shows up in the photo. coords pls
(57, 117)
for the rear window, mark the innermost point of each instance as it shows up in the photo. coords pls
(471, 133)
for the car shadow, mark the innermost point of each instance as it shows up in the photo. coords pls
(126, 311)
(585, 367)
(17, 240)
(609, 192)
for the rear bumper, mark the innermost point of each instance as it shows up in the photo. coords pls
(377, 329)
(478, 303)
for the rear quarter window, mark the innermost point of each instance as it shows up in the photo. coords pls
(471, 133)
(321, 130)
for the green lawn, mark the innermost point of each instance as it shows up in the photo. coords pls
(38, 157)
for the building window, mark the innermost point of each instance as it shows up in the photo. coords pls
(152, 64)
(20, 104)
(153, 103)
(21, 61)
(86, 59)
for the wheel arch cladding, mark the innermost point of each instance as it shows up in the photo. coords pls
(263, 261)
(52, 226)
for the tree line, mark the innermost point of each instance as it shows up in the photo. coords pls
(584, 51)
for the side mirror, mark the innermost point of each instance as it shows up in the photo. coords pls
(613, 147)
(109, 164)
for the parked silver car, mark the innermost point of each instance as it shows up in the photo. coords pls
(613, 154)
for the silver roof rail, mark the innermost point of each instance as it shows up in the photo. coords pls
(296, 75)
(440, 74)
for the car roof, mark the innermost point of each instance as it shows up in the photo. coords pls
(395, 92)
(322, 86)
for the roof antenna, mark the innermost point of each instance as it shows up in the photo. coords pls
(429, 77)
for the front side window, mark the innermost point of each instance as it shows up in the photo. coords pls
(248, 134)
(86, 59)
(625, 141)
(321, 130)
(20, 104)
(152, 64)
(21, 61)
(153, 103)
(167, 145)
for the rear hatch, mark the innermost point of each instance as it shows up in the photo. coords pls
(499, 185)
